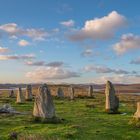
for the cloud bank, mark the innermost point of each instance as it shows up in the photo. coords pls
(100, 28)
(15, 31)
(43, 63)
(23, 43)
(69, 23)
(127, 43)
(17, 57)
(3, 50)
(104, 69)
(51, 73)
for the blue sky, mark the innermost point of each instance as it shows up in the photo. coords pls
(69, 41)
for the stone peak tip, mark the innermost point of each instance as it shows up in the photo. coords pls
(108, 81)
(44, 85)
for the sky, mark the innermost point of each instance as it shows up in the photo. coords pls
(69, 41)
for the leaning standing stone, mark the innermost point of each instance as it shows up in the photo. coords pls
(20, 97)
(137, 114)
(11, 95)
(90, 91)
(28, 95)
(135, 121)
(112, 102)
(71, 92)
(60, 93)
(43, 105)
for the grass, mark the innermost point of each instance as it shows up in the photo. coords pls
(84, 119)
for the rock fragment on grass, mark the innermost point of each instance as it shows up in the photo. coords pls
(6, 108)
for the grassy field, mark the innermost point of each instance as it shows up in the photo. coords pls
(84, 119)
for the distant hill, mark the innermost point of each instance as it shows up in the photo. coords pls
(120, 88)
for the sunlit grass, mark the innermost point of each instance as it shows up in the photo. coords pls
(84, 119)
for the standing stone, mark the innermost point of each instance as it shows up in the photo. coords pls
(112, 102)
(11, 95)
(43, 105)
(90, 91)
(71, 92)
(20, 97)
(60, 93)
(28, 95)
(137, 114)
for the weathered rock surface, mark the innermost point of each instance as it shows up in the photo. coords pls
(8, 109)
(43, 105)
(60, 93)
(28, 95)
(112, 102)
(71, 92)
(137, 113)
(11, 94)
(20, 97)
(90, 91)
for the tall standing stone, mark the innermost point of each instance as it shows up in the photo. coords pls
(43, 105)
(112, 102)
(137, 114)
(28, 95)
(71, 92)
(90, 91)
(20, 97)
(60, 93)
(11, 94)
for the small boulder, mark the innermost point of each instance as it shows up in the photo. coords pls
(6, 108)
(13, 136)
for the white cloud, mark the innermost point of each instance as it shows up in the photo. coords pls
(56, 30)
(87, 53)
(37, 34)
(50, 73)
(36, 63)
(3, 50)
(100, 28)
(68, 23)
(127, 43)
(17, 57)
(13, 30)
(135, 61)
(23, 43)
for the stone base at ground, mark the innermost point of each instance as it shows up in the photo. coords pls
(53, 120)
